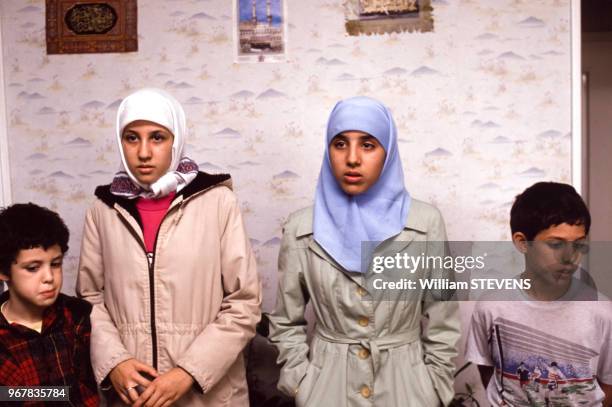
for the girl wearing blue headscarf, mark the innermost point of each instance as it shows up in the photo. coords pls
(372, 345)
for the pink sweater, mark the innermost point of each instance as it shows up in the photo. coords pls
(152, 211)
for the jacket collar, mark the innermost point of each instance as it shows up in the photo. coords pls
(413, 222)
(52, 316)
(202, 182)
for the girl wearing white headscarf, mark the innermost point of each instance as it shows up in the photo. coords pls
(369, 348)
(166, 262)
(156, 106)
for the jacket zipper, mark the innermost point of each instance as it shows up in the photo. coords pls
(151, 261)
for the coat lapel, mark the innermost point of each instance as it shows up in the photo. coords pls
(304, 230)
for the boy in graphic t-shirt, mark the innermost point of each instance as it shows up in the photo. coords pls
(550, 332)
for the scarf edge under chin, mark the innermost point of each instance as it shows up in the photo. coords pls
(349, 255)
(173, 181)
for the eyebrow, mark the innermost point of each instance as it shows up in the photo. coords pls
(364, 137)
(33, 261)
(564, 239)
(29, 263)
(151, 133)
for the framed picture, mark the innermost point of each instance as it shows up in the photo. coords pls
(81, 26)
(387, 16)
(260, 31)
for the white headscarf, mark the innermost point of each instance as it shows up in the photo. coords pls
(157, 106)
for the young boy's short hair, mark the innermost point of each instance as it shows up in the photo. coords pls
(547, 204)
(27, 226)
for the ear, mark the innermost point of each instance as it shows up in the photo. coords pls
(4, 277)
(520, 242)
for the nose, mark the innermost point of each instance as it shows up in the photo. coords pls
(47, 274)
(570, 254)
(353, 158)
(144, 151)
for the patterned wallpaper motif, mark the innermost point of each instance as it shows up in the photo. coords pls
(482, 104)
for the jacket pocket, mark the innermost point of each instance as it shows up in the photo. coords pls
(307, 385)
(427, 386)
(414, 387)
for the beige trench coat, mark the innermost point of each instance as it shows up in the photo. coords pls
(366, 351)
(194, 306)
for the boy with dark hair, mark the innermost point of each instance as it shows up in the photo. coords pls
(549, 325)
(44, 335)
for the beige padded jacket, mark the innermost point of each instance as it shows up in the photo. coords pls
(194, 304)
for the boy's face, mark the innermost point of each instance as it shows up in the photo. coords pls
(554, 255)
(35, 277)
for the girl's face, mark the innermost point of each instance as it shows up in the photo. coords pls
(147, 148)
(357, 159)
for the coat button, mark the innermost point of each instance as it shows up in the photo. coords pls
(365, 392)
(363, 353)
(361, 291)
(363, 321)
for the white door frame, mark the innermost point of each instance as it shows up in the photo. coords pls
(579, 150)
(5, 177)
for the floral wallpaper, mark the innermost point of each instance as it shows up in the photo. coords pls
(482, 105)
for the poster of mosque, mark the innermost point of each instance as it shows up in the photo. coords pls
(386, 16)
(260, 30)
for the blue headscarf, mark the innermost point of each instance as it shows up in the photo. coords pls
(341, 221)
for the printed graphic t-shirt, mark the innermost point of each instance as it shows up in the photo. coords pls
(544, 353)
